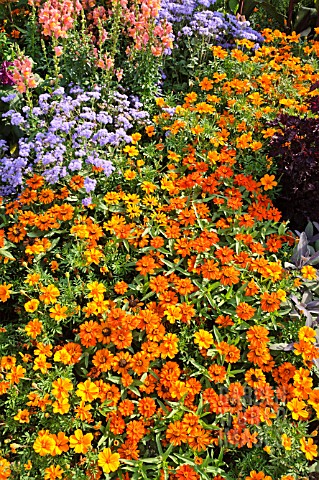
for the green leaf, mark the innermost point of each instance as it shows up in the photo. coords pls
(233, 5)
(6, 253)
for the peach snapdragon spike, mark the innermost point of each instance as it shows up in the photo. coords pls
(57, 17)
(22, 74)
(141, 22)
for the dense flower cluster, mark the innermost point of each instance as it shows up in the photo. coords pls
(57, 17)
(65, 134)
(144, 326)
(190, 19)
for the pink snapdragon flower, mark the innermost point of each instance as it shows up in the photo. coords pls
(57, 17)
(22, 74)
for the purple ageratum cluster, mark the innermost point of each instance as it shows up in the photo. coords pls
(175, 12)
(192, 18)
(65, 134)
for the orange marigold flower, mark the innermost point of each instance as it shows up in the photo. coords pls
(257, 335)
(33, 328)
(5, 291)
(121, 287)
(224, 321)
(88, 333)
(258, 476)
(135, 430)
(217, 373)
(268, 181)
(146, 265)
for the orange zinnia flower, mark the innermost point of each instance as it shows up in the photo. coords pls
(245, 311)
(176, 433)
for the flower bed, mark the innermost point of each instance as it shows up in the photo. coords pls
(157, 319)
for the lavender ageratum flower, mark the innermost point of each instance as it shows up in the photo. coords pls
(68, 133)
(75, 165)
(194, 18)
(9, 98)
(6, 77)
(17, 119)
(58, 91)
(87, 201)
(89, 184)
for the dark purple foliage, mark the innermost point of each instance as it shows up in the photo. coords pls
(6, 77)
(296, 149)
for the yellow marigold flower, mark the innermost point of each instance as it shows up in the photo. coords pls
(81, 443)
(53, 472)
(44, 444)
(49, 294)
(23, 416)
(308, 448)
(87, 390)
(129, 175)
(27, 465)
(97, 291)
(286, 441)
(112, 198)
(173, 313)
(131, 150)
(62, 356)
(4, 468)
(281, 294)
(58, 312)
(40, 363)
(32, 278)
(109, 461)
(136, 137)
(297, 408)
(204, 339)
(5, 291)
(93, 256)
(61, 406)
(268, 182)
(307, 334)
(308, 272)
